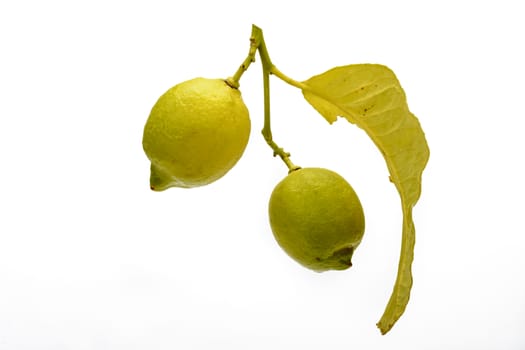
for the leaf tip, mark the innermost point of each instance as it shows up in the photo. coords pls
(384, 329)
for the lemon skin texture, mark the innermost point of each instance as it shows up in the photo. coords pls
(317, 218)
(196, 132)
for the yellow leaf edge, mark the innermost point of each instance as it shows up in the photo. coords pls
(401, 292)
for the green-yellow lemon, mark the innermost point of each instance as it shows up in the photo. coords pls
(317, 218)
(196, 132)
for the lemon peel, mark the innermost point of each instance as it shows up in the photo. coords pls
(196, 132)
(317, 218)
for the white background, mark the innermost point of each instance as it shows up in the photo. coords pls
(90, 258)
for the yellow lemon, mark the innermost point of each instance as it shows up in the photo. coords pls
(196, 132)
(317, 218)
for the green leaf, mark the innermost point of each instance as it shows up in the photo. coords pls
(370, 96)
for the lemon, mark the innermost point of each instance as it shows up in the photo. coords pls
(317, 218)
(196, 132)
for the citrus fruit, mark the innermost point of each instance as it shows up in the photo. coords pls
(317, 218)
(196, 132)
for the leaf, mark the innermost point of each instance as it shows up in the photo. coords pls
(370, 96)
